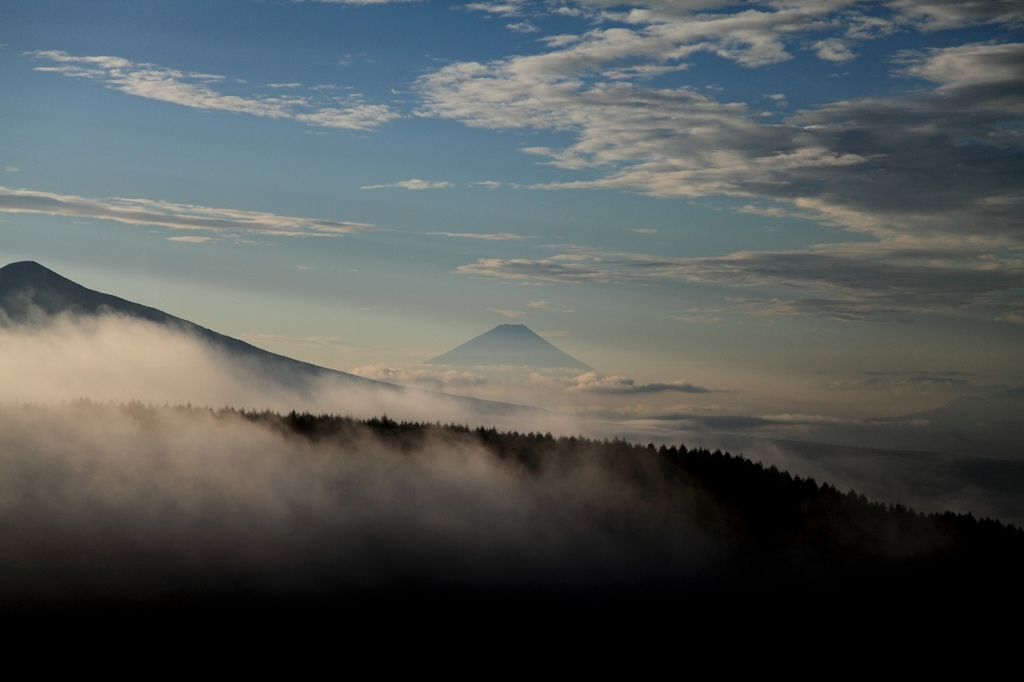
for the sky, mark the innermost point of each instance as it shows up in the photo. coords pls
(807, 211)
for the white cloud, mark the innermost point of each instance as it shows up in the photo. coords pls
(966, 67)
(522, 27)
(547, 305)
(421, 376)
(833, 50)
(199, 91)
(172, 215)
(414, 184)
(510, 314)
(509, 8)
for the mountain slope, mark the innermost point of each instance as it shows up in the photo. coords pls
(991, 426)
(31, 293)
(509, 344)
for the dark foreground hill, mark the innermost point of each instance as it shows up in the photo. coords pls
(772, 530)
(200, 512)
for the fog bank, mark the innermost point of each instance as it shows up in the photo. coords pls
(130, 503)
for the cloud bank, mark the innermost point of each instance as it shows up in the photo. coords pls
(928, 173)
(892, 279)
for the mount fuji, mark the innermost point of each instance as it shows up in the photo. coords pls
(509, 345)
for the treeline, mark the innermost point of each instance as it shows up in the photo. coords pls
(771, 528)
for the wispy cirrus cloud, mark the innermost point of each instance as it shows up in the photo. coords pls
(173, 215)
(544, 270)
(204, 91)
(412, 183)
(490, 236)
(915, 381)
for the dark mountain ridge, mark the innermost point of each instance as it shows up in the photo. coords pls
(509, 344)
(30, 292)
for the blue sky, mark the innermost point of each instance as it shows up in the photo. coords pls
(807, 208)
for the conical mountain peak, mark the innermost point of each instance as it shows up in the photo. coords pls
(509, 344)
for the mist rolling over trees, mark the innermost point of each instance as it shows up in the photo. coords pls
(154, 507)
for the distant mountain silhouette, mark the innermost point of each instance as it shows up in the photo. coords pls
(990, 426)
(32, 294)
(509, 344)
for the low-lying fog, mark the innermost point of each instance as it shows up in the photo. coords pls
(119, 359)
(102, 500)
(106, 496)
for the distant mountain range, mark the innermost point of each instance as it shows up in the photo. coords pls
(508, 345)
(31, 293)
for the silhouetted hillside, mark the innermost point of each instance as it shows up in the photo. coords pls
(774, 530)
(220, 513)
